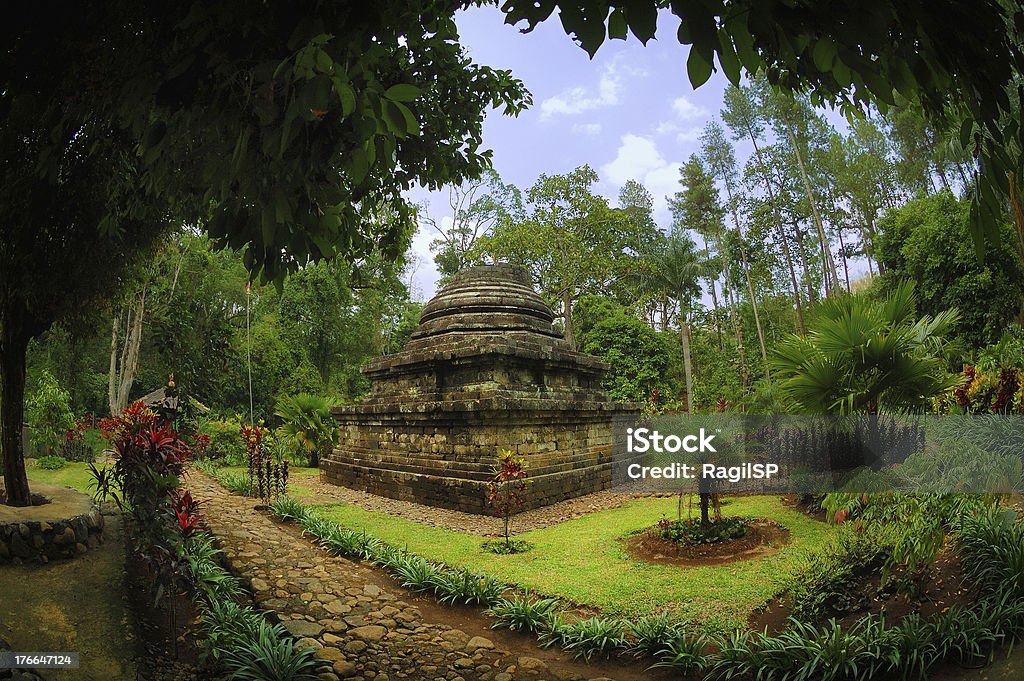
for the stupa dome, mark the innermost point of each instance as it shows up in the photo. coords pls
(487, 298)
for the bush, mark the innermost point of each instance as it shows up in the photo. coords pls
(51, 463)
(595, 636)
(694, 532)
(224, 443)
(48, 413)
(652, 634)
(469, 588)
(828, 585)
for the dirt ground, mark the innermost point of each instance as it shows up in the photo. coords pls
(77, 605)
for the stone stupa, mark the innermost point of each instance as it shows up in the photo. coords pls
(485, 371)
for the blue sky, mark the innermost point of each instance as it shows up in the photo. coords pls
(629, 113)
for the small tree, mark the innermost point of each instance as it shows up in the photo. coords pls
(309, 425)
(506, 490)
(48, 413)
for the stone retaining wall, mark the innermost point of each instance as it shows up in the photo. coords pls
(68, 526)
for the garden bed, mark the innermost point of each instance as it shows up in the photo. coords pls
(762, 538)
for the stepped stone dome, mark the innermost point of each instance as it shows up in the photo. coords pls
(487, 298)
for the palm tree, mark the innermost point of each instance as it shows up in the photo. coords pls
(673, 271)
(862, 356)
(309, 425)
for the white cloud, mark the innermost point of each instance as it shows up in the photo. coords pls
(689, 135)
(580, 99)
(587, 128)
(638, 159)
(687, 110)
(666, 128)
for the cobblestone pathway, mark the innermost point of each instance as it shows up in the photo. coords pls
(363, 625)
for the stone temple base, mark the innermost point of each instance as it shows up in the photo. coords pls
(443, 456)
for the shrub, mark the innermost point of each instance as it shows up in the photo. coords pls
(414, 572)
(652, 634)
(309, 424)
(224, 443)
(470, 588)
(828, 585)
(695, 532)
(506, 490)
(685, 654)
(519, 613)
(48, 413)
(595, 636)
(269, 655)
(51, 463)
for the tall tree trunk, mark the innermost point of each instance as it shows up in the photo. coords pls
(811, 291)
(829, 265)
(570, 335)
(115, 331)
(714, 298)
(14, 337)
(846, 265)
(782, 233)
(750, 285)
(684, 339)
(121, 378)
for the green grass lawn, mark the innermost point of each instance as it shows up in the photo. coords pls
(75, 475)
(582, 561)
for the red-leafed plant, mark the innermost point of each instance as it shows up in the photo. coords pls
(267, 479)
(186, 512)
(506, 491)
(149, 458)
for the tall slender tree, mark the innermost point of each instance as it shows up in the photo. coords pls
(721, 159)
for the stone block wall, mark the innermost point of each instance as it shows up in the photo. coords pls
(445, 459)
(42, 541)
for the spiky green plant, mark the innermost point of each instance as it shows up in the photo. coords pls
(862, 355)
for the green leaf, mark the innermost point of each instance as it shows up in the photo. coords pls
(617, 28)
(745, 47)
(728, 59)
(403, 92)
(698, 68)
(346, 94)
(412, 126)
(642, 17)
(823, 54)
(359, 166)
(392, 117)
(324, 63)
(965, 132)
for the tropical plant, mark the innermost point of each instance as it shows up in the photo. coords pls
(672, 272)
(269, 655)
(653, 634)
(308, 422)
(470, 588)
(685, 654)
(592, 637)
(520, 613)
(863, 356)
